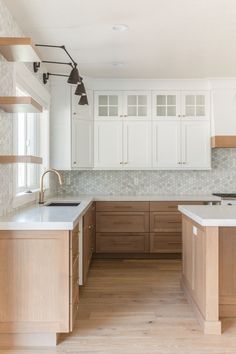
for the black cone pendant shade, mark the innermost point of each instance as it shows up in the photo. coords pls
(83, 100)
(74, 77)
(80, 89)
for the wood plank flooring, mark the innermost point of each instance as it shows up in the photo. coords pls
(134, 307)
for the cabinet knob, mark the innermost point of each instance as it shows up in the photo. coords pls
(179, 163)
(184, 163)
(126, 163)
(90, 227)
(121, 163)
(121, 115)
(183, 115)
(74, 162)
(179, 115)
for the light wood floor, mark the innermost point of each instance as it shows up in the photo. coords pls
(134, 307)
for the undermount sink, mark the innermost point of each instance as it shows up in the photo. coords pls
(63, 204)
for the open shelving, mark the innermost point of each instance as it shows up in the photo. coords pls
(18, 49)
(19, 104)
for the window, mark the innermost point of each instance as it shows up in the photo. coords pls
(27, 143)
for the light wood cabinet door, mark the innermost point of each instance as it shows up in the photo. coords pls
(171, 206)
(122, 206)
(108, 145)
(122, 242)
(88, 240)
(166, 144)
(137, 144)
(165, 222)
(165, 243)
(122, 222)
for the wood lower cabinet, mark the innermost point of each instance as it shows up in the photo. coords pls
(166, 226)
(139, 227)
(165, 243)
(88, 240)
(39, 294)
(122, 242)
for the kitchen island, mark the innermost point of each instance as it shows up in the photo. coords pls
(209, 263)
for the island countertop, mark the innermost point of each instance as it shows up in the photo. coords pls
(42, 217)
(211, 215)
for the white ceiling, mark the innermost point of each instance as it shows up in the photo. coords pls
(166, 38)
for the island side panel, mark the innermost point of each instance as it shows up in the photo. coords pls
(200, 273)
(227, 277)
(34, 273)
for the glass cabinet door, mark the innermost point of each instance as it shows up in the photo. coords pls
(166, 105)
(195, 105)
(108, 105)
(137, 105)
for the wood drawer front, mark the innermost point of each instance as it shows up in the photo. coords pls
(165, 243)
(170, 206)
(122, 206)
(122, 243)
(165, 222)
(122, 222)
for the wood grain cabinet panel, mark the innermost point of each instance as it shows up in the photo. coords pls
(170, 206)
(165, 243)
(165, 222)
(122, 222)
(122, 243)
(89, 220)
(122, 206)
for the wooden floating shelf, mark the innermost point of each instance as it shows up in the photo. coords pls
(19, 104)
(18, 49)
(223, 141)
(5, 159)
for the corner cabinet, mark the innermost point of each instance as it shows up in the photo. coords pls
(71, 129)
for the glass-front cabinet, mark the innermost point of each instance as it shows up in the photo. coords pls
(108, 105)
(166, 104)
(169, 105)
(114, 105)
(195, 105)
(137, 104)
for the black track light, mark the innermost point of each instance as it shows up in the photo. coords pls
(74, 77)
(80, 89)
(83, 100)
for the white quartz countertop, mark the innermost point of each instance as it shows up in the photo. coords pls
(211, 215)
(42, 217)
(137, 198)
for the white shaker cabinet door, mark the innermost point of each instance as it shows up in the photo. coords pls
(137, 145)
(108, 145)
(82, 144)
(166, 145)
(196, 148)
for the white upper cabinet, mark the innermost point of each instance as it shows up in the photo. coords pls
(108, 105)
(166, 145)
(166, 105)
(137, 105)
(195, 105)
(108, 149)
(170, 105)
(137, 145)
(82, 111)
(82, 144)
(115, 105)
(196, 148)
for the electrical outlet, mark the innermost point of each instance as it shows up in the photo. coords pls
(195, 230)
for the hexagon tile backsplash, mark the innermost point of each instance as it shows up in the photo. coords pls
(222, 178)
